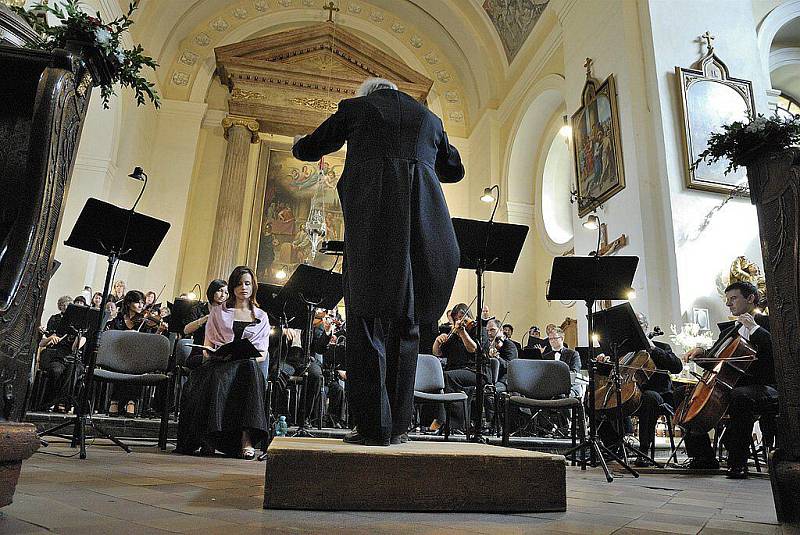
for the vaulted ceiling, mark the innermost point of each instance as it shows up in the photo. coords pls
(452, 42)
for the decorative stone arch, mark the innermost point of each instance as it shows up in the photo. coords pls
(771, 25)
(411, 45)
(524, 165)
(784, 57)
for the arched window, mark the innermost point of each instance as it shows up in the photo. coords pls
(786, 106)
(556, 208)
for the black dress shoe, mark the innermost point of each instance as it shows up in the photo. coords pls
(399, 439)
(699, 463)
(736, 472)
(357, 438)
(641, 462)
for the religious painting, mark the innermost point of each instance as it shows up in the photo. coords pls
(596, 144)
(514, 20)
(710, 99)
(288, 191)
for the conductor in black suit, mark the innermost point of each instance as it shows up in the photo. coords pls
(401, 254)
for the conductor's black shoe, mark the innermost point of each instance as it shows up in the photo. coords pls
(357, 438)
(641, 462)
(399, 439)
(699, 463)
(736, 472)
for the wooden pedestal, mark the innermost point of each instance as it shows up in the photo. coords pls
(327, 475)
(17, 443)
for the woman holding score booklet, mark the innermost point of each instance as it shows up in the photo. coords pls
(222, 407)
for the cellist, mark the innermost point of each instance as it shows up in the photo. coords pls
(754, 392)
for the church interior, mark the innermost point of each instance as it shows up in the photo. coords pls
(582, 119)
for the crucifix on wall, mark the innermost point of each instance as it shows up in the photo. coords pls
(609, 248)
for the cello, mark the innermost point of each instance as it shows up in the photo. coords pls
(636, 368)
(731, 356)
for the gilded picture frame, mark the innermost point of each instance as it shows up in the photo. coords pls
(596, 144)
(709, 99)
(285, 191)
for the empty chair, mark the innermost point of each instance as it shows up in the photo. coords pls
(540, 384)
(429, 388)
(131, 357)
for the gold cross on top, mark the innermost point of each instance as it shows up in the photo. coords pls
(330, 7)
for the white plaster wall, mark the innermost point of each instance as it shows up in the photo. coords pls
(701, 257)
(609, 33)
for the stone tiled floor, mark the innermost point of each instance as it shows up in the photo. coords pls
(151, 492)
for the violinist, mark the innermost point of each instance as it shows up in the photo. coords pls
(130, 317)
(499, 346)
(458, 347)
(295, 363)
(754, 392)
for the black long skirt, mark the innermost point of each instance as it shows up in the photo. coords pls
(219, 401)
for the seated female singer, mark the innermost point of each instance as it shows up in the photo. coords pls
(130, 318)
(222, 406)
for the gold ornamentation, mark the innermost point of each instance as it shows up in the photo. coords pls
(319, 104)
(745, 270)
(246, 122)
(86, 83)
(244, 94)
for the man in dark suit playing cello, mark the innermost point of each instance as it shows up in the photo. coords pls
(754, 392)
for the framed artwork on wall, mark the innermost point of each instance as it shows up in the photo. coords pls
(596, 144)
(710, 98)
(286, 191)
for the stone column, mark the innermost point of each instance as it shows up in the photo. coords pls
(775, 191)
(240, 133)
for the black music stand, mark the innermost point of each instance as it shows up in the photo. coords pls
(590, 278)
(314, 288)
(619, 334)
(474, 237)
(117, 234)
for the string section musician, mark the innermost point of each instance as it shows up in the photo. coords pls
(656, 391)
(397, 155)
(754, 394)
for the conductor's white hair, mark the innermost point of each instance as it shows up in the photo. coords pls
(373, 84)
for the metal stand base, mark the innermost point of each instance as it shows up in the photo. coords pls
(79, 433)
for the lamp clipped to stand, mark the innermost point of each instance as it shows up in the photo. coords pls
(474, 237)
(592, 278)
(118, 234)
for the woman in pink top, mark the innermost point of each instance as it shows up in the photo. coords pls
(222, 406)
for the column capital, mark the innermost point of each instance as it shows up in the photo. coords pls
(239, 120)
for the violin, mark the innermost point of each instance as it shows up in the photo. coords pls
(151, 318)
